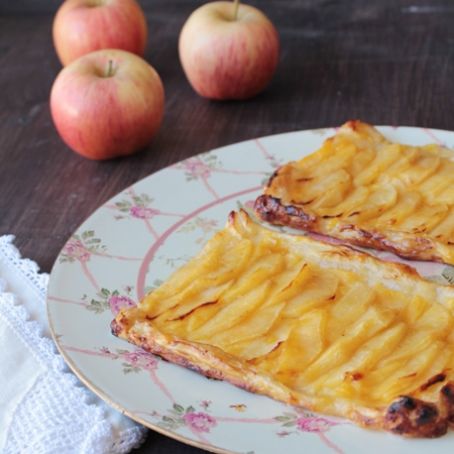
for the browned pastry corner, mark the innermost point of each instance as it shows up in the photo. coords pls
(416, 418)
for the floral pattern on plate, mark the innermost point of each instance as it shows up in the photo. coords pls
(132, 243)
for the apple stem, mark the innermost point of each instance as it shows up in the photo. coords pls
(236, 5)
(109, 72)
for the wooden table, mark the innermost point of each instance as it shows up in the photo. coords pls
(385, 62)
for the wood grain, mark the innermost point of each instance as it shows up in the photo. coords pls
(386, 62)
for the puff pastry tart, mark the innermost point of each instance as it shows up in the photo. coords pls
(308, 323)
(365, 190)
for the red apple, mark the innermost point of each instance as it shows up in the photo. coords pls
(82, 26)
(228, 50)
(107, 103)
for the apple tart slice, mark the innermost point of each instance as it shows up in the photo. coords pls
(365, 190)
(310, 324)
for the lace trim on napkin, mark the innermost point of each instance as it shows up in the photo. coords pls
(58, 414)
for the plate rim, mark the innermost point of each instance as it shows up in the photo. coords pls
(102, 395)
(72, 364)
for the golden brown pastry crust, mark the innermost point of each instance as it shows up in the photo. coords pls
(425, 412)
(270, 209)
(406, 416)
(286, 203)
(201, 358)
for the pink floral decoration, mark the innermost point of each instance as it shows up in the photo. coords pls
(117, 302)
(76, 250)
(196, 168)
(142, 359)
(143, 212)
(313, 424)
(199, 421)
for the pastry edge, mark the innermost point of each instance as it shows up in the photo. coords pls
(406, 416)
(270, 209)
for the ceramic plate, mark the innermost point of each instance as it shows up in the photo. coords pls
(132, 243)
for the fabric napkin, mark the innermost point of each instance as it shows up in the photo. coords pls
(43, 406)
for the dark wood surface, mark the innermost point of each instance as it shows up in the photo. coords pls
(383, 61)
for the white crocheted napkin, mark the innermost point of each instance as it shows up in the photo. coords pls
(43, 406)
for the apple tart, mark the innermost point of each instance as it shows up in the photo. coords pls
(365, 190)
(307, 323)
